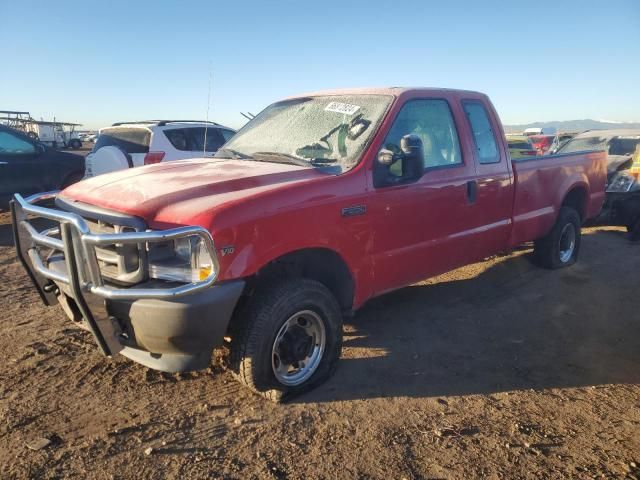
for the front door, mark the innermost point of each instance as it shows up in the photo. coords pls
(420, 227)
(20, 170)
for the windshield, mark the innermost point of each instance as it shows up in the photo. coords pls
(623, 145)
(584, 144)
(613, 146)
(327, 132)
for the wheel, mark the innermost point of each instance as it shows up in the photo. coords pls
(287, 339)
(71, 179)
(75, 143)
(561, 246)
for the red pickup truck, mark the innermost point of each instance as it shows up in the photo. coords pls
(320, 203)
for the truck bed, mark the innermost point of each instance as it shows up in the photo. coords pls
(541, 184)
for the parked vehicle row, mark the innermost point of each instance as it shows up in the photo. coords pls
(318, 204)
(622, 205)
(133, 144)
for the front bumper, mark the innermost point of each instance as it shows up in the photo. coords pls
(165, 327)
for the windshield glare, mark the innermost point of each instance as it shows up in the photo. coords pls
(327, 132)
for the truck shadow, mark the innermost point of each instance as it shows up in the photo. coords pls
(512, 326)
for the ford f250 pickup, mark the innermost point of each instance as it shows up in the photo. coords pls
(320, 203)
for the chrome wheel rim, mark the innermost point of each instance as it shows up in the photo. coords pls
(567, 242)
(298, 348)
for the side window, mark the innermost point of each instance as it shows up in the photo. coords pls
(214, 139)
(433, 122)
(483, 136)
(10, 144)
(178, 138)
(227, 134)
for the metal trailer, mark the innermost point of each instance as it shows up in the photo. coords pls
(54, 134)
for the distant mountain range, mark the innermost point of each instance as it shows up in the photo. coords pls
(573, 125)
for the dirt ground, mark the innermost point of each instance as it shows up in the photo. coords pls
(496, 370)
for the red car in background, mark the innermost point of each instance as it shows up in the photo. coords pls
(543, 143)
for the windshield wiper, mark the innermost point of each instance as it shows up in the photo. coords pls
(234, 154)
(320, 162)
(279, 157)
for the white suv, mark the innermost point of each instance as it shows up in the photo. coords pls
(133, 144)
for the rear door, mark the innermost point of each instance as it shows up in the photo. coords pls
(419, 228)
(20, 168)
(493, 188)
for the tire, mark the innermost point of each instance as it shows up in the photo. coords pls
(259, 348)
(75, 144)
(554, 250)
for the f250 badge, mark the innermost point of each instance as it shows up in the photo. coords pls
(228, 250)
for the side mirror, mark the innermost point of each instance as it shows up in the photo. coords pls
(412, 157)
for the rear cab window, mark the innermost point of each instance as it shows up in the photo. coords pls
(483, 135)
(131, 140)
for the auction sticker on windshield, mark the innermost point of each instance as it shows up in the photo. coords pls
(339, 107)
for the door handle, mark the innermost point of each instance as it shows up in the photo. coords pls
(3, 163)
(472, 191)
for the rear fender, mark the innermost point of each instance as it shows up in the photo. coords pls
(571, 183)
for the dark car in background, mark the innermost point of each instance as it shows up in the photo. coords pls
(622, 204)
(27, 166)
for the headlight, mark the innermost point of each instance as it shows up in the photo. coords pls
(621, 183)
(184, 260)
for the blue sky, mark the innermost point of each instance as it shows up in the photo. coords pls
(101, 62)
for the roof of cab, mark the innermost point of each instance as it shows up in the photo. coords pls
(393, 91)
(616, 132)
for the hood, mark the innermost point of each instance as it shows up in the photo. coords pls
(177, 192)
